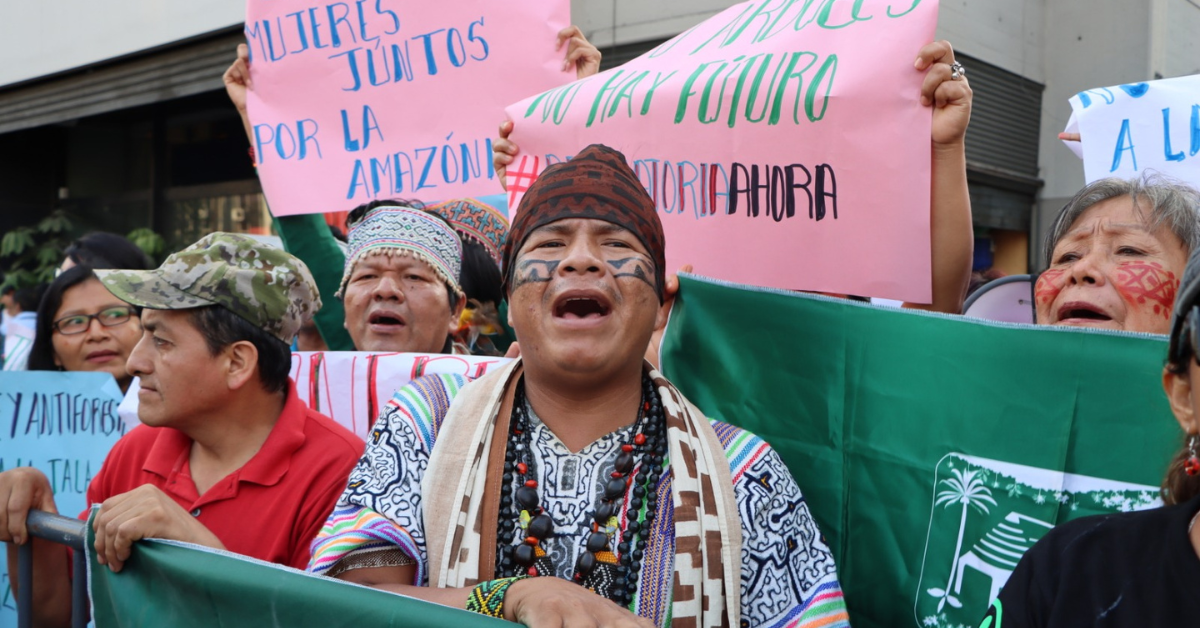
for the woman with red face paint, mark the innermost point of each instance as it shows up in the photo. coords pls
(1115, 255)
(1128, 569)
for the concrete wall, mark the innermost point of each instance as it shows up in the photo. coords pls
(1175, 38)
(616, 22)
(40, 38)
(1007, 34)
(1085, 47)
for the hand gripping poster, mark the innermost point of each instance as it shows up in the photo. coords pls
(783, 143)
(352, 102)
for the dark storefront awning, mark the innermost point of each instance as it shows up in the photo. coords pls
(181, 69)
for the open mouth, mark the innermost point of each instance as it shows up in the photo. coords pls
(581, 308)
(385, 319)
(1082, 311)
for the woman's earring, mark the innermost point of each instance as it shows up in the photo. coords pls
(1192, 465)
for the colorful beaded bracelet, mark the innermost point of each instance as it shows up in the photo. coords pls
(487, 598)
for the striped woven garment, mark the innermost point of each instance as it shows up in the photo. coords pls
(382, 512)
(708, 534)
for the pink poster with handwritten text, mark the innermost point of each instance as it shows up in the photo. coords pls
(783, 143)
(354, 101)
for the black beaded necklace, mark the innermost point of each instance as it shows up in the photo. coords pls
(612, 575)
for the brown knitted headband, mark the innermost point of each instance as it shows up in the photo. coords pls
(598, 184)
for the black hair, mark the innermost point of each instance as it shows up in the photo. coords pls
(337, 234)
(100, 249)
(27, 298)
(221, 328)
(358, 213)
(1177, 361)
(1179, 348)
(480, 277)
(41, 354)
(1178, 485)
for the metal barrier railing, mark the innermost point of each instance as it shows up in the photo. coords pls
(57, 529)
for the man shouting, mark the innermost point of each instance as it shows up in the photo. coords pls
(577, 486)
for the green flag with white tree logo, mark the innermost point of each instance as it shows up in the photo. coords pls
(167, 583)
(932, 450)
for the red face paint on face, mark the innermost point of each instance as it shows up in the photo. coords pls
(1147, 284)
(1049, 284)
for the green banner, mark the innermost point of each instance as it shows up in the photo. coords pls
(932, 450)
(184, 586)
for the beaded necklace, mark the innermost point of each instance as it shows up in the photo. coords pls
(611, 575)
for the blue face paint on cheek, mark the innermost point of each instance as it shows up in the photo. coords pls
(534, 271)
(635, 267)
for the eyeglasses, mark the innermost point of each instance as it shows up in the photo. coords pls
(79, 323)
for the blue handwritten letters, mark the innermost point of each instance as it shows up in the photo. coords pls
(768, 138)
(63, 424)
(1128, 129)
(359, 100)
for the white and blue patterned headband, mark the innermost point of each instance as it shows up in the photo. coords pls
(392, 230)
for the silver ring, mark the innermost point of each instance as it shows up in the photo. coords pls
(957, 71)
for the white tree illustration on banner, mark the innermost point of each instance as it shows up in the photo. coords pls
(966, 489)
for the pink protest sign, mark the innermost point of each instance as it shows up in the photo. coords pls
(356, 101)
(783, 143)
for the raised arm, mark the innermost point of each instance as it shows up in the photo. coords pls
(579, 52)
(237, 83)
(951, 230)
(306, 235)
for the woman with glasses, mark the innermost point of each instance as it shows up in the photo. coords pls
(1129, 569)
(81, 326)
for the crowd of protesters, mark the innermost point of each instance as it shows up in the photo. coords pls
(575, 485)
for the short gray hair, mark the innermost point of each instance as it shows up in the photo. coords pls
(1173, 203)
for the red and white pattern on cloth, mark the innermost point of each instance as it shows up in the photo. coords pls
(519, 178)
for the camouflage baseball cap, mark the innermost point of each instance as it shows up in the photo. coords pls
(268, 287)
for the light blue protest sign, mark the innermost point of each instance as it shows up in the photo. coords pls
(63, 424)
(1128, 129)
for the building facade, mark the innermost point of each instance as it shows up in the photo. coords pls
(117, 112)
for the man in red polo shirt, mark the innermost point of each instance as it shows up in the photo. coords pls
(228, 456)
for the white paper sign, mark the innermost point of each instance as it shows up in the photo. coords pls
(1128, 129)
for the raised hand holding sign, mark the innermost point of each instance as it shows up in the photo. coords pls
(353, 102)
(785, 146)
